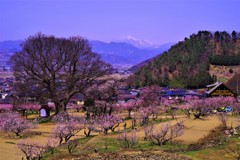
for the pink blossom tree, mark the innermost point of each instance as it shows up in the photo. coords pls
(200, 108)
(90, 126)
(67, 126)
(205, 106)
(222, 117)
(13, 122)
(236, 108)
(77, 107)
(72, 145)
(67, 130)
(102, 97)
(52, 142)
(187, 105)
(150, 96)
(62, 117)
(168, 106)
(144, 115)
(25, 108)
(148, 130)
(6, 108)
(164, 134)
(127, 140)
(31, 150)
(130, 106)
(186, 108)
(108, 122)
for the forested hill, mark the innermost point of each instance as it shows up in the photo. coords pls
(187, 63)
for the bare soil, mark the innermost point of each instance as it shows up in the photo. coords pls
(194, 130)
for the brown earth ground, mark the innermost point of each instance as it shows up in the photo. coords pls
(222, 72)
(194, 130)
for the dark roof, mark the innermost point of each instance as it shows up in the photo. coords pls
(234, 83)
(177, 92)
(215, 86)
(78, 97)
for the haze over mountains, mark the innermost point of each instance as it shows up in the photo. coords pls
(124, 53)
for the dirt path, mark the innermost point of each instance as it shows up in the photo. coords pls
(198, 128)
(194, 130)
(8, 151)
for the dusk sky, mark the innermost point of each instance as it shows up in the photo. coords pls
(159, 21)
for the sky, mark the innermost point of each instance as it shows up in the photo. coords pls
(159, 21)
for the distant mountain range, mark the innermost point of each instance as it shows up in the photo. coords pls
(142, 44)
(122, 53)
(126, 53)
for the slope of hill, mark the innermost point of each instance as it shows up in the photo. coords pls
(187, 63)
(10, 46)
(223, 73)
(7, 48)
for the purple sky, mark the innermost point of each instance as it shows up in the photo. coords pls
(159, 21)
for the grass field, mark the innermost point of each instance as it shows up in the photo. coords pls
(194, 130)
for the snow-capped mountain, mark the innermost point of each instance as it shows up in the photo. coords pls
(142, 44)
(115, 53)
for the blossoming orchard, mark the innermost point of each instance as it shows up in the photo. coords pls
(160, 120)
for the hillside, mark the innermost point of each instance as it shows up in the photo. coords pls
(187, 63)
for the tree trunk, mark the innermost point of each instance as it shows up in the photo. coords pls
(59, 108)
(129, 113)
(17, 134)
(197, 115)
(87, 133)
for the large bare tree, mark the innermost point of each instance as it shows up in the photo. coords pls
(56, 68)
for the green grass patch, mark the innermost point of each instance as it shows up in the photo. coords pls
(44, 120)
(159, 120)
(59, 151)
(190, 154)
(174, 147)
(47, 155)
(107, 145)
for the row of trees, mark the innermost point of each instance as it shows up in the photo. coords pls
(225, 60)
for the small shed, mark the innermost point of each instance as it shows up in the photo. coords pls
(44, 111)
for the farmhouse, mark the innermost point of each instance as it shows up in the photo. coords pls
(218, 89)
(77, 99)
(174, 94)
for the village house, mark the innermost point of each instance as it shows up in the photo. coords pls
(173, 94)
(77, 99)
(218, 89)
